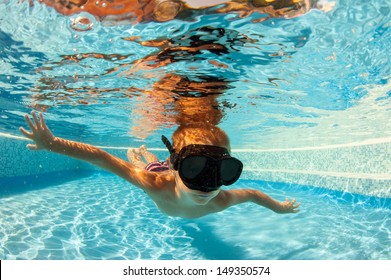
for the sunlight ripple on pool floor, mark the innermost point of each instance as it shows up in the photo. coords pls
(103, 217)
(90, 218)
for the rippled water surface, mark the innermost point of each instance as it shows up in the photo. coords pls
(302, 75)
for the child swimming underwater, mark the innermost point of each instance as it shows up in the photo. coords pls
(190, 186)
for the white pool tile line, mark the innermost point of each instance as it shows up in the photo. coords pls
(358, 167)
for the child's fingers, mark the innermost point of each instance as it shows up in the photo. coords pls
(32, 147)
(29, 123)
(43, 124)
(37, 122)
(26, 133)
(290, 202)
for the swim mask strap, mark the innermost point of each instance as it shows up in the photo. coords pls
(173, 155)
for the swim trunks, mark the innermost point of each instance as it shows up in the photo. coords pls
(157, 166)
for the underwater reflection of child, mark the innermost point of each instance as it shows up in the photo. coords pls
(187, 185)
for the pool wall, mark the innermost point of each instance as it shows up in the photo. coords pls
(363, 168)
(16, 160)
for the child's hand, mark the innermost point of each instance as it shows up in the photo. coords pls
(40, 133)
(288, 206)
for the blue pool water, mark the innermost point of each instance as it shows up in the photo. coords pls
(304, 96)
(102, 217)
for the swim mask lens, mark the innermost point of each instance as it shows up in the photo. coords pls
(204, 167)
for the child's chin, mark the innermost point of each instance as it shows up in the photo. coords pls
(201, 200)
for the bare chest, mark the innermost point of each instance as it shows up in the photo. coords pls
(177, 208)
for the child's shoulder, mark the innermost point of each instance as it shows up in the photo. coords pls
(225, 197)
(159, 181)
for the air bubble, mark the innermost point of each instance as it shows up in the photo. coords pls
(81, 24)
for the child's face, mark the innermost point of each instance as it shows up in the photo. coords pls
(197, 197)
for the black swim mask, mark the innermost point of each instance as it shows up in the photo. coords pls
(203, 167)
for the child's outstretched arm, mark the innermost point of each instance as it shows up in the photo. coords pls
(233, 197)
(45, 140)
